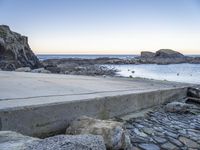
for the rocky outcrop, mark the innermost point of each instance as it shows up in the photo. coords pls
(164, 56)
(92, 67)
(115, 137)
(168, 53)
(15, 51)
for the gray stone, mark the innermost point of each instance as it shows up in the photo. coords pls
(69, 142)
(138, 132)
(14, 141)
(159, 139)
(194, 92)
(149, 146)
(188, 142)
(171, 134)
(148, 131)
(23, 69)
(169, 146)
(114, 135)
(178, 107)
(40, 70)
(176, 142)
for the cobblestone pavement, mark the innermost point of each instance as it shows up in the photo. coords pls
(161, 130)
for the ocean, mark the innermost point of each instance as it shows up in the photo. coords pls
(188, 73)
(44, 57)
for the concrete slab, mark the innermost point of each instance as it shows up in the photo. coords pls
(40, 104)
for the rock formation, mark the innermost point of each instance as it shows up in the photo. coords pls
(164, 56)
(113, 133)
(15, 51)
(168, 53)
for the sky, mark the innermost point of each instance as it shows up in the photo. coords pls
(105, 26)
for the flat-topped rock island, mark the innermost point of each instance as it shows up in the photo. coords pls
(40, 104)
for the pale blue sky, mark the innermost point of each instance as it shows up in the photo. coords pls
(105, 26)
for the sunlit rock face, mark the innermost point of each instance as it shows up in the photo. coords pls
(15, 51)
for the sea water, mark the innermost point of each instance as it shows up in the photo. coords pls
(188, 73)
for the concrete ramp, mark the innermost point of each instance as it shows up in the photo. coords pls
(43, 104)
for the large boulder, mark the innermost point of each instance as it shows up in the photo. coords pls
(115, 137)
(69, 142)
(15, 51)
(15, 141)
(180, 107)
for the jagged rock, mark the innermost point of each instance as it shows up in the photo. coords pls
(23, 69)
(178, 107)
(15, 141)
(69, 142)
(147, 54)
(114, 135)
(15, 51)
(40, 70)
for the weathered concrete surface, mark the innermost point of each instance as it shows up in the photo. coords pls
(40, 104)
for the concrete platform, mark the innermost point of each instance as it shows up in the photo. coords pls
(42, 104)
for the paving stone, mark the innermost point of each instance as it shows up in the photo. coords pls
(189, 143)
(159, 139)
(169, 146)
(176, 142)
(148, 131)
(135, 148)
(149, 147)
(172, 134)
(163, 130)
(138, 132)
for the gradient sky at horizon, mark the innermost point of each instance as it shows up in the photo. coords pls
(105, 26)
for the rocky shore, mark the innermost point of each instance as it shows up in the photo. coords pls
(94, 66)
(16, 54)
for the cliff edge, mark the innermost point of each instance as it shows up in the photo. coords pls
(15, 51)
